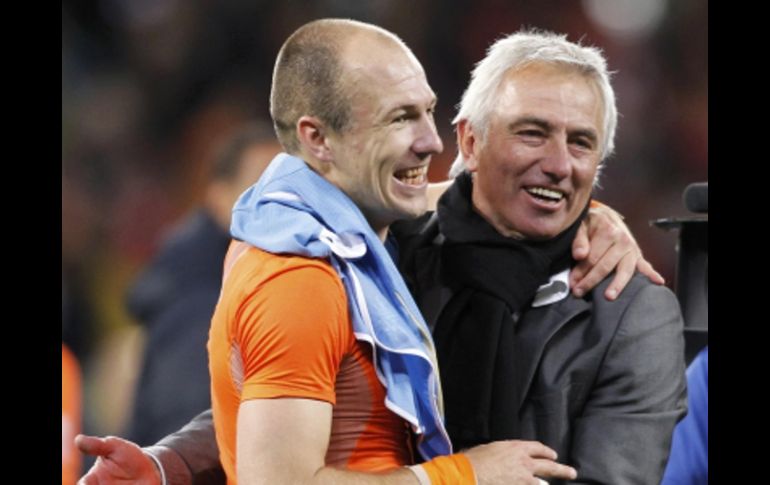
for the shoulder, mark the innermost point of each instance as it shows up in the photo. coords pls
(253, 262)
(638, 288)
(305, 280)
(283, 298)
(647, 332)
(642, 308)
(280, 281)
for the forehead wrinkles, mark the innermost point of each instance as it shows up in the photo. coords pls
(538, 90)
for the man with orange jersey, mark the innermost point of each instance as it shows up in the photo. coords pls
(323, 369)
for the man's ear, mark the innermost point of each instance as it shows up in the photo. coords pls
(311, 133)
(468, 144)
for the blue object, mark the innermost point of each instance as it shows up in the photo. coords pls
(689, 460)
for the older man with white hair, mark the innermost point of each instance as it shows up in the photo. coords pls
(599, 381)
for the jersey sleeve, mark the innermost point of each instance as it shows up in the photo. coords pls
(293, 332)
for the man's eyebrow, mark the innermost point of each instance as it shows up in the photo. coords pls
(545, 125)
(585, 132)
(412, 107)
(530, 120)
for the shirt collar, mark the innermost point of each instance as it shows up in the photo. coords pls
(555, 290)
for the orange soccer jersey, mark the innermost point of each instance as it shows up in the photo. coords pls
(70, 416)
(281, 329)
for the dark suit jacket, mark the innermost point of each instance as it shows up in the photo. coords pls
(603, 383)
(600, 382)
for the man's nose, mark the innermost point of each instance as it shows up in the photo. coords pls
(557, 161)
(427, 142)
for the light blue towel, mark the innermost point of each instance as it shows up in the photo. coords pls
(294, 210)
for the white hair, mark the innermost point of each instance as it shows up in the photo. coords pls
(518, 50)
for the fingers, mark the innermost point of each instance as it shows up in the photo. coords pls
(603, 255)
(586, 275)
(577, 277)
(616, 258)
(93, 445)
(551, 469)
(536, 449)
(611, 248)
(623, 273)
(92, 477)
(516, 461)
(624, 262)
(580, 244)
(646, 269)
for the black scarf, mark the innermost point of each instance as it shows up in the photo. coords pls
(491, 277)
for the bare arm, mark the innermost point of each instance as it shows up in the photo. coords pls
(290, 449)
(288, 445)
(284, 441)
(603, 244)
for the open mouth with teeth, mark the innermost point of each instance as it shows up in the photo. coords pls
(546, 195)
(412, 176)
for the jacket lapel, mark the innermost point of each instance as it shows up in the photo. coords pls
(534, 330)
